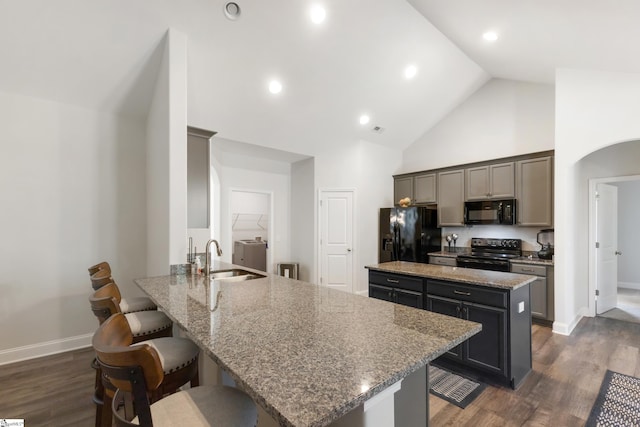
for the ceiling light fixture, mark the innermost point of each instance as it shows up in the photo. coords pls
(490, 36)
(317, 14)
(364, 119)
(410, 72)
(232, 10)
(275, 87)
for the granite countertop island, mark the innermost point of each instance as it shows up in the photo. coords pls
(308, 355)
(492, 279)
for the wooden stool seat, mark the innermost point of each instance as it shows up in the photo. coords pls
(204, 406)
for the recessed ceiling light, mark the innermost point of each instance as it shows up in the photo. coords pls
(275, 86)
(364, 119)
(317, 14)
(232, 10)
(490, 36)
(410, 71)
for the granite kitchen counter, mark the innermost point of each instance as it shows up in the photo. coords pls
(305, 353)
(492, 279)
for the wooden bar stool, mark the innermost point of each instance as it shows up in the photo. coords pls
(144, 325)
(127, 305)
(139, 371)
(99, 266)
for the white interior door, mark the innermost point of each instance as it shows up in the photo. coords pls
(336, 239)
(606, 247)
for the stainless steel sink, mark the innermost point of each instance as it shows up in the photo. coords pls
(234, 274)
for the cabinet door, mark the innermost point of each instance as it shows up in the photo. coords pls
(539, 298)
(487, 350)
(534, 191)
(381, 292)
(424, 188)
(402, 187)
(477, 183)
(502, 178)
(409, 298)
(448, 307)
(451, 198)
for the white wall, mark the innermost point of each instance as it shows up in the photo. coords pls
(367, 168)
(501, 119)
(594, 109)
(628, 234)
(303, 218)
(72, 192)
(167, 160)
(248, 178)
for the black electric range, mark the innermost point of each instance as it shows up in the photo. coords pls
(491, 254)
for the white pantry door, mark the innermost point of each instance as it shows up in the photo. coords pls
(606, 247)
(336, 239)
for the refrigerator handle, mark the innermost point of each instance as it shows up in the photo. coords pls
(396, 243)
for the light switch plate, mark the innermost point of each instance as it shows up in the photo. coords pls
(520, 306)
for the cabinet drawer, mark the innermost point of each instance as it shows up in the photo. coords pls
(396, 281)
(534, 270)
(474, 294)
(443, 260)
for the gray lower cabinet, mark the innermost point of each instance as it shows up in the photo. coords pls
(502, 350)
(396, 288)
(541, 290)
(443, 260)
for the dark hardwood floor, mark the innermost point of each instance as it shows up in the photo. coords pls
(561, 389)
(50, 391)
(567, 372)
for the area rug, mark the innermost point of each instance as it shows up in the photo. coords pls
(618, 402)
(452, 387)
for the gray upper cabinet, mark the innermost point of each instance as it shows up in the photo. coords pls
(424, 188)
(490, 182)
(451, 198)
(419, 188)
(534, 191)
(402, 187)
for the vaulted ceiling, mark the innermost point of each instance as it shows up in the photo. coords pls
(104, 54)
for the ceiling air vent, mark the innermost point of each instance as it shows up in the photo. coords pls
(232, 10)
(377, 129)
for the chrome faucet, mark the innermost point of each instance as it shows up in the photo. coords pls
(207, 256)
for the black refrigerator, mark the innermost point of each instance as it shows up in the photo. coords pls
(408, 234)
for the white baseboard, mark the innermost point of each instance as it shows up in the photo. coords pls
(566, 329)
(363, 293)
(47, 348)
(629, 285)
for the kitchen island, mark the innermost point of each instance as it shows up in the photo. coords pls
(500, 301)
(309, 355)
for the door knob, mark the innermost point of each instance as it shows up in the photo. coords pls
(618, 253)
(348, 249)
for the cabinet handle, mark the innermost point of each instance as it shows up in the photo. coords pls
(458, 310)
(462, 293)
(390, 293)
(528, 269)
(393, 281)
(464, 310)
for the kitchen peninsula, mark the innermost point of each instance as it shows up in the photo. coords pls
(499, 301)
(309, 355)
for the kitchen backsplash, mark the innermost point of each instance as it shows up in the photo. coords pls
(528, 235)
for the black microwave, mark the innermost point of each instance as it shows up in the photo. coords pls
(490, 212)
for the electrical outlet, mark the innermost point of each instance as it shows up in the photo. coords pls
(520, 306)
